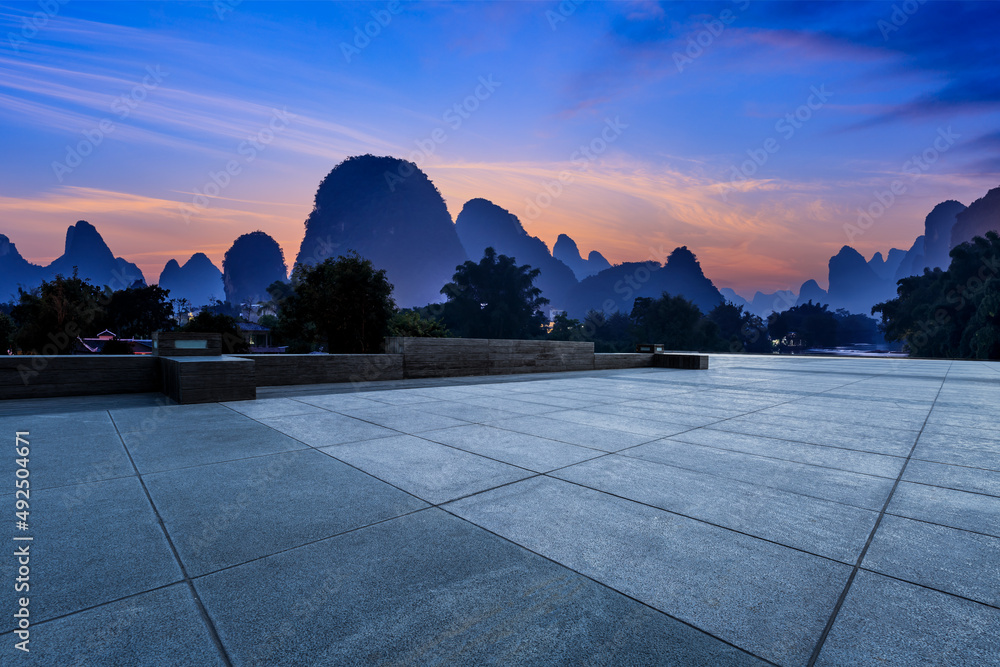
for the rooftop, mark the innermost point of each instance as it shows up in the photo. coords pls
(791, 511)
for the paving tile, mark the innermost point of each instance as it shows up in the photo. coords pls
(817, 526)
(228, 513)
(801, 452)
(607, 440)
(428, 470)
(475, 414)
(200, 442)
(93, 543)
(321, 430)
(272, 407)
(949, 448)
(850, 436)
(432, 589)
(397, 397)
(958, 509)
(645, 411)
(405, 419)
(520, 449)
(162, 627)
(647, 427)
(337, 402)
(953, 476)
(864, 491)
(771, 600)
(156, 418)
(888, 622)
(948, 559)
(61, 454)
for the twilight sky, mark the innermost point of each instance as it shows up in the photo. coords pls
(120, 113)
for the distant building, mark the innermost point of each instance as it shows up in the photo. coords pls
(257, 336)
(95, 344)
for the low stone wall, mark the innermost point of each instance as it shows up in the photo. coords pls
(25, 376)
(453, 357)
(611, 360)
(284, 369)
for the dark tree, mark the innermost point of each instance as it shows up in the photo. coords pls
(51, 317)
(495, 298)
(137, 312)
(412, 322)
(566, 328)
(953, 313)
(811, 323)
(610, 333)
(675, 322)
(741, 330)
(209, 322)
(854, 329)
(343, 304)
(7, 331)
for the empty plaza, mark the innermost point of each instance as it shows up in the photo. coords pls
(768, 510)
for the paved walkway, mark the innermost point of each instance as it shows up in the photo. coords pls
(787, 511)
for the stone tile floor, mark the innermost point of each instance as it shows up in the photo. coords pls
(790, 511)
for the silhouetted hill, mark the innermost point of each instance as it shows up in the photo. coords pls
(811, 291)
(254, 261)
(913, 261)
(388, 211)
(566, 251)
(763, 303)
(16, 271)
(198, 280)
(983, 215)
(937, 233)
(732, 297)
(615, 289)
(886, 268)
(483, 224)
(853, 284)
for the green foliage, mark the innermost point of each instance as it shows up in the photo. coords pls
(741, 330)
(811, 323)
(209, 322)
(343, 304)
(953, 313)
(675, 322)
(411, 322)
(7, 331)
(495, 298)
(137, 312)
(566, 328)
(51, 317)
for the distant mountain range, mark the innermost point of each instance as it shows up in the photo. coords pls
(390, 212)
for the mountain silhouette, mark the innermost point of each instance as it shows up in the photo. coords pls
(983, 215)
(198, 280)
(565, 251)
(84, 251)
(765, 303)
(483, 224)
(730, 295)
(615, 289)
(811, 291)
(251, 264)
(853, 284)
(912, 263)
(886, 268)
(16, 271)
(937, 233)
(388, 211)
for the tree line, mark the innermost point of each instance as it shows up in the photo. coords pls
(345, 305)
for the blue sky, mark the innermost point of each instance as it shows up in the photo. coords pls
(674, 100)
